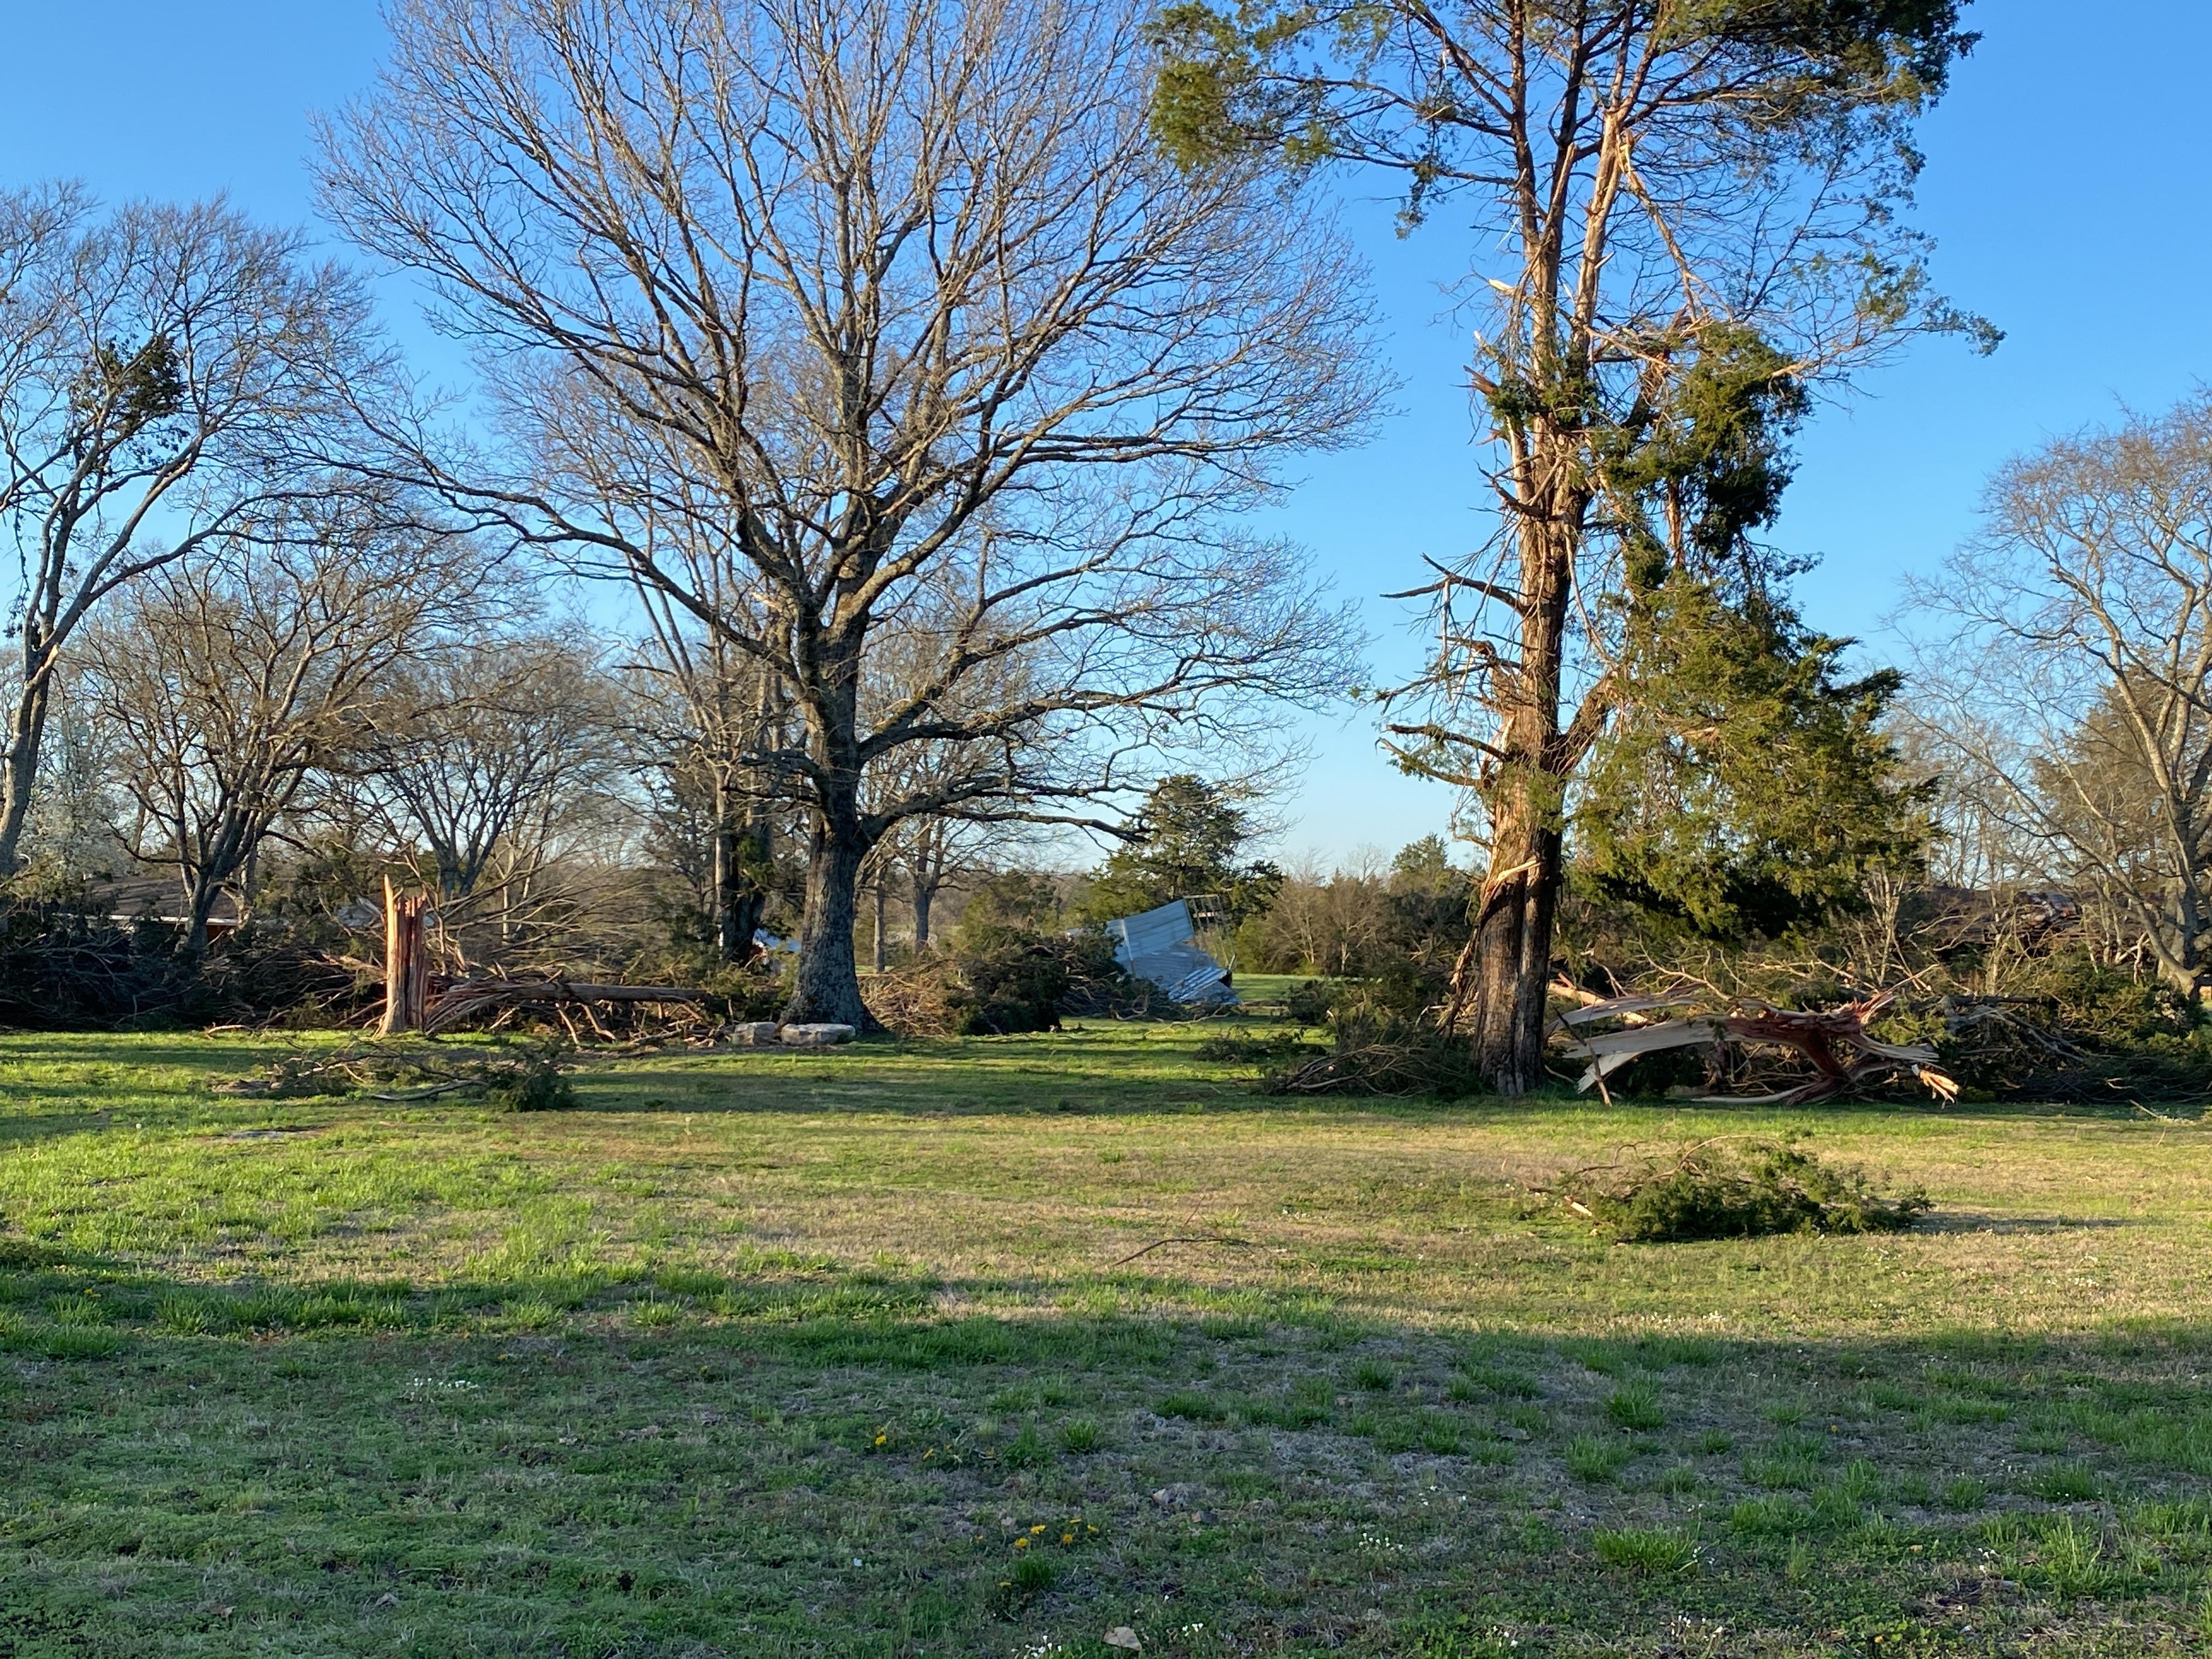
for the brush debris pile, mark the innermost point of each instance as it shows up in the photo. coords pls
(1750, 1039)
(1732, 1188)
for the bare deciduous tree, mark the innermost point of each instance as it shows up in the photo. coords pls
(2070, 698)
(166, 374)
(482, 755)
(226, 680)
(801, 308)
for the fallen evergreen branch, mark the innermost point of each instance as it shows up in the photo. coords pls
(1732, 1188)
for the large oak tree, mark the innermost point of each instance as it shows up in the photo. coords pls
(817, 316)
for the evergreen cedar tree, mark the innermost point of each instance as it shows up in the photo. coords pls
(1185, 844)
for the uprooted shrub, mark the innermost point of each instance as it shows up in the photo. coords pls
(1384, 1040)
(1007, 980)
(1309, 1002)
(1735, 1190)
(1022, 981)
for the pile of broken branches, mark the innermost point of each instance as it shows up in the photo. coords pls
(580, 1007)
(1835, 1043)
(529, 1077)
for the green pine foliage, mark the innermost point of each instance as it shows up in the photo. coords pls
(1748, 789)
(1186, 840)
(1720, 1190)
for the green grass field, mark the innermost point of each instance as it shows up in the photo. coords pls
(884, 1352)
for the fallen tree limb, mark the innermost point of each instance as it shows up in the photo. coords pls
(458, 1000)
(1836, 1043)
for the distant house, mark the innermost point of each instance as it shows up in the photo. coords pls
(131, 899)
(1159, 946)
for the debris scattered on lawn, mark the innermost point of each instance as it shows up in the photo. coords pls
(1834, 1043)
(1731, 1188)
(532, 1078)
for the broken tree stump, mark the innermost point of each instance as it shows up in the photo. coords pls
(406, 962)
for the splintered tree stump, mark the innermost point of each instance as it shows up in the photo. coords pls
(406, 963)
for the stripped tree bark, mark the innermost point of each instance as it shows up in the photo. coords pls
(406, 962)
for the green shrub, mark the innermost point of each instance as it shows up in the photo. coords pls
(1717, 1189)
(1308, 1004)
(1014, 981)
(533, 1082)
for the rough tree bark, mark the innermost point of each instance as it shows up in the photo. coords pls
(406, 962)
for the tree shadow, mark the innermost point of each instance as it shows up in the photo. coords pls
(511, 1446)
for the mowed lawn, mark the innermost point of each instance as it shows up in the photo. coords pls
(994, 1346)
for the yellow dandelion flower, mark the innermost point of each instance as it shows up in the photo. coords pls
(1021, 1543)
(1067, 1537)
(1036, 1528)
(881, 1438)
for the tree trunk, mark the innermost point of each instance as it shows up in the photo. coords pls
(731, 942)
(742, 851)
(925, 895)
(199, 906)
(19, 769)
(406, 962)
(1511, 946)
(882, 959)
(826, 981)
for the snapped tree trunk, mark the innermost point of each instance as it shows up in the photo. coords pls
(406, 962)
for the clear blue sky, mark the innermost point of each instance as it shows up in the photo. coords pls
(2065, 187)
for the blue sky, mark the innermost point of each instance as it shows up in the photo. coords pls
(2065, 188)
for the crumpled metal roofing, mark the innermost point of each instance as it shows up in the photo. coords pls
(1158, 946)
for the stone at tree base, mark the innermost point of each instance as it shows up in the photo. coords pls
(815, 1036)
(753, 1032)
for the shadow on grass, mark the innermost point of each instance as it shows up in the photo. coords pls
(702, 1462)
(935, 1083)
(20, 1129)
